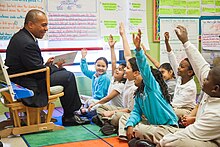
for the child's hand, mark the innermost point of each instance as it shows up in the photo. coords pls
(187, 120)
(84, 52)
(137, 40)
(111, 42)
(130, 133)
(90, 106)
(107, 113)
(182, 34)
(166, 36)
(121, 29)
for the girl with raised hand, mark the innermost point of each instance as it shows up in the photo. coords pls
(151, 98)
(166, 70)
(99, 77)
(116, 87)
(109, 113)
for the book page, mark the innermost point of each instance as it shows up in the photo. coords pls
(68, 58)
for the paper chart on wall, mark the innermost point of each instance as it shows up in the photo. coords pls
(168, 25)
(12, 14)
(132, 13)
(210, 34)
(137, 20)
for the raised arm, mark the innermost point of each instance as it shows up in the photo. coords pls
(84, 65)
(171, 55)
(155, 62)
(142, 63)
(199, 64)
(167, 37)
(127, 51)
(111, 43)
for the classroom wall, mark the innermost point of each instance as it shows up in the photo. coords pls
(154, 49)
(84, 84)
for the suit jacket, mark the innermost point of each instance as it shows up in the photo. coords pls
(23, 54)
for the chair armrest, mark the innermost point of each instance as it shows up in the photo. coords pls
(28, 73)
(56, 89)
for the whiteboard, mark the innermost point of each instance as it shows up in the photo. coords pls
(168, 25)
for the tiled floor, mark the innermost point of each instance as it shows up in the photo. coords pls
(12, 141)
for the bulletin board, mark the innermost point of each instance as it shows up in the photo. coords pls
(76, 24)
(183, 8)
(167, 25)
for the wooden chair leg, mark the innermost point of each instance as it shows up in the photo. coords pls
(51, 107)
(28, 116)
(16, 118)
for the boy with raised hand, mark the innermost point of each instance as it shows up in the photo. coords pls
(206, 129)
(184, 98)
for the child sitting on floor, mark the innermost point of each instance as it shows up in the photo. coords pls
(100, 80)
(151, 98)
(116, 87)
(184, 99)
(166, 70)
(108, 115)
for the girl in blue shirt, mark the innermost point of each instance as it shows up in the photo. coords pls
(99, 77)
(151, 98)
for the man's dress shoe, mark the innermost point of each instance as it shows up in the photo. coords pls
(74, 120)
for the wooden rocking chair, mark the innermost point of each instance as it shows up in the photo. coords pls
(31, 120)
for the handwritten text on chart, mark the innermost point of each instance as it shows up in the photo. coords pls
(13, 14)
(72, 26)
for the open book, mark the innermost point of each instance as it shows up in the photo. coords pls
(68, 58)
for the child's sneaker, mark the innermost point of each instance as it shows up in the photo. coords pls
(108, 129)
(97, 121)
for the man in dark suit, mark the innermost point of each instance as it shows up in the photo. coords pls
(23, 54)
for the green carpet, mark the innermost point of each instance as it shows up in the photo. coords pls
(70, 134)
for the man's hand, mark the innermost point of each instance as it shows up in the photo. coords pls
(84, 52)
(50, 61)
(182, 34)
(130, 133)
(60, 63)
(137, 40)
